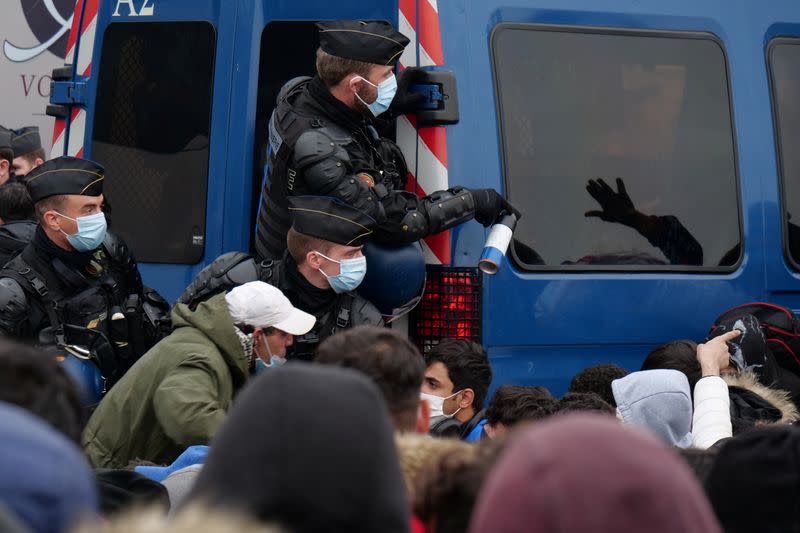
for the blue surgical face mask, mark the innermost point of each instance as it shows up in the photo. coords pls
(351, 274)
(386, 91)
(90, 234)
(274, 360)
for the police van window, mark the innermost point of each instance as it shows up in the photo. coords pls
(618, 148)
(784, 62)
(151, 132)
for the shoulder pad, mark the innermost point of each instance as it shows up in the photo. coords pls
(364, 313)
(13, 300)
(225, 272)
(116, 248)
(289, 86)
(318, 144)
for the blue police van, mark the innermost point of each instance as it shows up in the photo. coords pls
(693, 105)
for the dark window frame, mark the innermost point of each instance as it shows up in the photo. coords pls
(602, 30)
(199, 253)
(776, 130)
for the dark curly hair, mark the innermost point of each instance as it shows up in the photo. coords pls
(597, 379)
(34, 380)
(584, 401)
(513, 404)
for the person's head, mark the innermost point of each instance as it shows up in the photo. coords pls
(753, 483)
(699, 461)
(261, 310)
(46, 481)
(356, 60)
(598, 379)
(325, 241)
(6, 155)
(676, 355)
(417, 452)
(583, 401)
(28, 151)
(15, 203)
(457, 378)
(512, 404)
(447, 487)
(34, 380)
(583, 472)
(391, 361)
(659, 401)
(67, 194)
(310, 448)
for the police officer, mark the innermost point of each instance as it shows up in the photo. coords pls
(28, 151)
(76, 284)
(319, 272)
(6, 155)
(322, 140)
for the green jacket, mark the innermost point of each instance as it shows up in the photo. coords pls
(175, 396)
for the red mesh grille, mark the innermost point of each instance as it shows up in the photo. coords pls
(450, 308)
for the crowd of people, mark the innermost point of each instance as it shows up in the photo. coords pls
(354, 440)
(272, 398)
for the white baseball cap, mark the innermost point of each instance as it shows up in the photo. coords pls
(259, 304)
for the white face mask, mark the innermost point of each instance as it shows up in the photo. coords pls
(436, 404)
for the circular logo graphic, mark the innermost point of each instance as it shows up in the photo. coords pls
(50, 22)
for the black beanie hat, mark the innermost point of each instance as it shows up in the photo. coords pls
(308, 448)
(754, 484)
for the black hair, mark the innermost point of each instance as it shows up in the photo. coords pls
(597, 379)
(388, 358)
(584, 401)
(676, 355)
(699, 461)
(34, 380)
(467, 366)
(513, 404)
(15, 203)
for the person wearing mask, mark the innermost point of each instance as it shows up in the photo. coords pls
(17, 220)
(392, 362)
(324, 139)
(28, 151)
(184, 385)
(76, 284)
(308, 448)
(319, 273)
(457, 379)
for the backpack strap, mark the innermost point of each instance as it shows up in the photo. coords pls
(343, 313)
(32, 282)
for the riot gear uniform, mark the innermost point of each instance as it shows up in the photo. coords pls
(333, 311)
(102, 306)
(14, 236)
(319, 146)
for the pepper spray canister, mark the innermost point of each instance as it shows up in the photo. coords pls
(497, 244)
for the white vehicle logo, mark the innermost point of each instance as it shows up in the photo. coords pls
(18, 54)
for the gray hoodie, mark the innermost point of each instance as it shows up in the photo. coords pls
(658, 400)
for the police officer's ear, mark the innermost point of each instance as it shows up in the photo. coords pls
(51, 220)
(314, 260)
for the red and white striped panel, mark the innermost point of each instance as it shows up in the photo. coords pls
(429, 143)
(83, 67)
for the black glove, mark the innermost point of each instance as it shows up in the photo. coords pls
(617, 206)
(489, 205)
(405, 102)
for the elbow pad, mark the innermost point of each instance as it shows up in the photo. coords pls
(449, 208)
